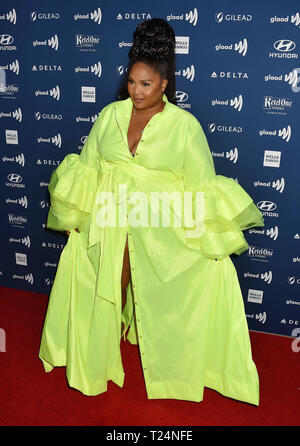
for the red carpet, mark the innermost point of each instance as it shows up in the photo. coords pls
(30, 397)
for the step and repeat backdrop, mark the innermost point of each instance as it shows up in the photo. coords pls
(237, 71)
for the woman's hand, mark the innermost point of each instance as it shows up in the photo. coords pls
(68, 232)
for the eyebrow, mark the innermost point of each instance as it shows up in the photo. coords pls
(143, 80)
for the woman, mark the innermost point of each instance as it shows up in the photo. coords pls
(173, 285)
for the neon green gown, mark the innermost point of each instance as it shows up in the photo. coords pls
(184, 305)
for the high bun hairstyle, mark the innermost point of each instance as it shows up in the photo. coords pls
(154, 45)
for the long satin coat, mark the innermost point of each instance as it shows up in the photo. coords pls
(184, 307)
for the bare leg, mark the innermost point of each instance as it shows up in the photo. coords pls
(126, 276)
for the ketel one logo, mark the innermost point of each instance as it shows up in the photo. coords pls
(189, 73)
(14, 178)
(181, 96)
(272, 232)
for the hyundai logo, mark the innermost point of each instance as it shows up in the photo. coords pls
(181, 96)
(284, 45)
(265, 205)
(6, 39)
(14, 178)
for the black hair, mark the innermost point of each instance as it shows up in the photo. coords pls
(154, 45)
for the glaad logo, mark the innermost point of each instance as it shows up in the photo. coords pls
(231, 155)
(285, 133)
(236, 102)
(220, 16)
(272, 232)
(14, 67)
(88, 119)
(10, 16)
(96, 69)
(294, 19)
(284, 48)
(189, 73)
(53, 92)
(56, 140)
(95, 16)
(292, 78)
(27, 277)
(21, 201)
(20, 159)
(25, 240)
(191, 17)
(241, 47)
(267, 276)
(52, 42)
(17, 114)
(261, 317)
(277, 184)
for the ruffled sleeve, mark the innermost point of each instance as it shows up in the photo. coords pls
(73, 185)
(222, 210)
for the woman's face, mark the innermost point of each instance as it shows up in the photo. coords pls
(145, 86)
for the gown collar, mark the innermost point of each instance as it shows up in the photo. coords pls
(123, 112)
